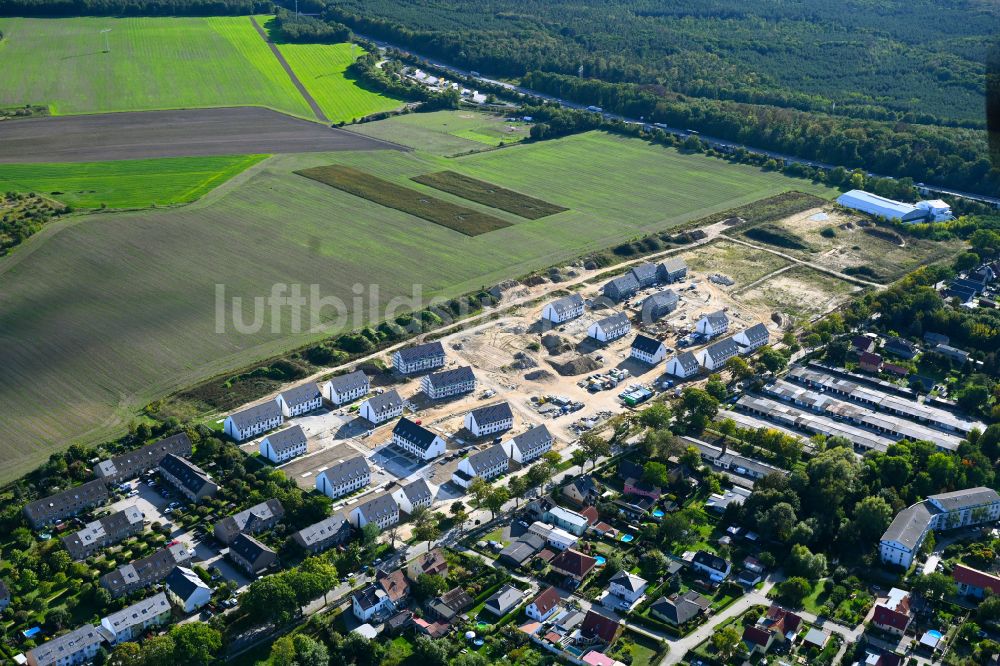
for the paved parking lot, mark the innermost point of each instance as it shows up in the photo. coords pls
(150, 501)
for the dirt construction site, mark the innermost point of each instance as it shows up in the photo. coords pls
(559, 376)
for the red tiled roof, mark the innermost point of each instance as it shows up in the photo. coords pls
(545, 555)
(976, 578)
(756, 636)
(598, 625)
(574, 563)
(546, 601)
(395, 585)
(886, 617)
(783, 620)
(590, 513)
(895, 369)
(867, 358)
(553, 637)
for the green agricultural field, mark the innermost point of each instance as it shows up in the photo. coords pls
(447, 132)
(154, 63)
(125, 183)
(322, 70)
(101, 314)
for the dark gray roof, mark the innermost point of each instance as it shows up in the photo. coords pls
(248, 548)
(629, 581)
(145, 570)
(248, 519)
(960, 499)
(717, 318)
(350, 469)
(909, 525)
(380, 506)
(488, 459)
(623, 284)
(138, 613)
(388, 401)
(420, 352)
(674, 264)
(60, 648)
(688, 361)
(418, 435)
(680, 608)
(499, 411)
(757, 333)
(369, 596)
(528, 441)
(646, 344)
(301, 394)
(323, 530)
(183, 582)
(146, 457)
(54, 506)
(567, 303)
(451, 377)
(615, 321)
(667, 297)
(505, 598)
(78, 543)
(644, 273)
(349, 382)
(286, 439)
(190, 475)
(417, 491)
(265, 411)
(724, 347)
(709, 560)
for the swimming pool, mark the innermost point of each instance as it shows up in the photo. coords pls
(935, 633)
(658, 513)
(601, 560)
(627, 538)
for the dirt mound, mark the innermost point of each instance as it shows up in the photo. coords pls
(523, 362)
(539, 376)
(577, 365)
(552, 341)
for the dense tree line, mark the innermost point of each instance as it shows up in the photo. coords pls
(308, 29)
(809, 55)
(134, 7)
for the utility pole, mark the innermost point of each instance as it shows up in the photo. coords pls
(296, 7)
(107, 45)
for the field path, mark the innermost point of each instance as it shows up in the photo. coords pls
(291, 74)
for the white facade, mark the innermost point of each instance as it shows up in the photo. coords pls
(873, 204)
(715, 356)
(194, 594)
(436, 448)
(481, 423)
(289, 410)
(382, 511)
(713, 324)
(529, 446)
(752, 338)
(279, 453)
(408, 504)
(563, 310)
(392, 408)
(554, 536)
(628, 587)
(486, 465)
(683, 365)
(241, 431)
(340, 393)
(369, 602)
(610, 329)
(131, 622)
(344, 478)
(646, 357)
(419, 358)
(444, 385)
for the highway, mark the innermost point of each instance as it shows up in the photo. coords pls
(709, 140)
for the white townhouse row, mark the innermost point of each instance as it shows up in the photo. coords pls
(284, 445)
(417, 440)
(419, 358)
(346, 388)
(345, 477)
(490, 419)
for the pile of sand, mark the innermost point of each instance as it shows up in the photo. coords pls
(539, 376)
(575, 365)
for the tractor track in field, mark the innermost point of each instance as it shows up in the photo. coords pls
(288, 70)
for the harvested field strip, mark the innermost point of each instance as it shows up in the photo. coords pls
(489, 194)
(361, 184)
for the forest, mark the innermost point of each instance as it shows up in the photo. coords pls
(918, 61)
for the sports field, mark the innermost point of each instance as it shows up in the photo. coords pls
(154, 63)
(125, 183)
(447, 132)
(322, 69)
(102, 314)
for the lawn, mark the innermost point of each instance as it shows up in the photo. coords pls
(126, 183)
(102, 314)
(447, 132)
(322, 70)
(743, 264)
(154, 63)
